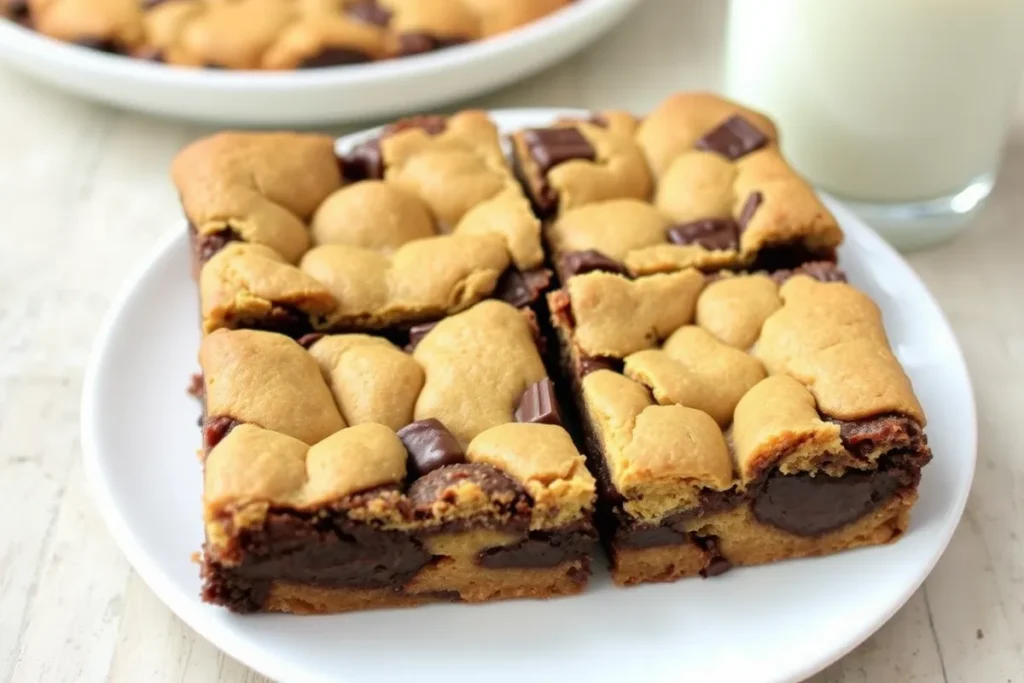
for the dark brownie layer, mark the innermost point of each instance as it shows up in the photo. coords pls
(543, 549)
(334, 552)
(326, 548)
(806, 505)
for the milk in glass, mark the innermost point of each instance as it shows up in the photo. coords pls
(887, 102)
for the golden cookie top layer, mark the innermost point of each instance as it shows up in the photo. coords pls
(699, 182)
(263, 188)
(305, 428)
(278, 34)
(707, 387)
(282, 242)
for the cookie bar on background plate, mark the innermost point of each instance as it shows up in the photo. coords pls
(700, 182)
(734, 421)
(430, 221)
(346, 473)
(273, 34)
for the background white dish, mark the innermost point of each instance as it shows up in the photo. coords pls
(780, 622)
(312, 96)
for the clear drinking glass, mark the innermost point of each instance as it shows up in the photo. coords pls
(899, 107)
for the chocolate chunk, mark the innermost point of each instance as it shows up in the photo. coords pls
(150, 4)
(430, 446)
(307, 340)
(717, 563)
(751, 205)
(410, 44)
(99, 44)
(417, 333)
(541, 549)
(822, 271)
(335, 56)
(436, 485)
(216, 428)
(887, 432)
(539, 404)
(368, 11)
(206, 246)
(714, 234)
(717, 566)
(364, 162)
(581, 262)
(282, 318)
(651, 536)
(734, 138)
(18, 10)
(550, 147)
(809, 506)
(520, 288)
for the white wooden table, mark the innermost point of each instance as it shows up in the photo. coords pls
(84, 195)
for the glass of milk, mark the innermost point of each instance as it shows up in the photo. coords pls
(899, 107)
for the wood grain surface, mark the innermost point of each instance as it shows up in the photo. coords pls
(84, 195)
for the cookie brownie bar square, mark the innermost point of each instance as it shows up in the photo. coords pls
(736, 421)
(419, 223)
(273, 34)
(345, 473)
(700, 182)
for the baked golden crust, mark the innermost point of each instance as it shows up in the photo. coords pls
(462, 176)
(490, 345)
(264, 187)
(733, 309)
(830, 337)
(371, 379)
(616, 317)
(279, 34)
(268, 380)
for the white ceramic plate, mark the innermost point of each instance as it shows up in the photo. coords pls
(780, 622)
(313, 96)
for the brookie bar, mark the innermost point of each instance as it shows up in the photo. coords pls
(738, 421)
(358, 475)
(428, 221)
(699, 182)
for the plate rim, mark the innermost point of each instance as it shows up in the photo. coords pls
(277, 668)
